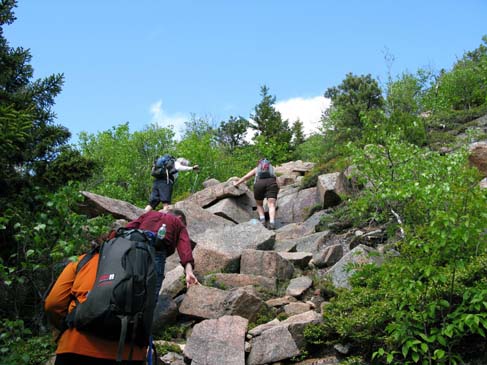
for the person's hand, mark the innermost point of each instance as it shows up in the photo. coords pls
(196, 167)
(190, 278)
(236, 182)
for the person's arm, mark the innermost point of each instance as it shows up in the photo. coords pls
(179, 167)
(57, 302)
(246, 177)
(184, 247)
(186, 256)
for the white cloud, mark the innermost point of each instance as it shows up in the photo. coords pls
(163, 119)
(308, 111)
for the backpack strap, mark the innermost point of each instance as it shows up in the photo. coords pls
(123, 334)
(69, 319)
(87, 258)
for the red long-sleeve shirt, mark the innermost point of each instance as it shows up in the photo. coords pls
(176, 233)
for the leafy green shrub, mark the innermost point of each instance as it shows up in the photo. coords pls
(264, 315)
(43, 240)
(353, 360)
(170, 333)
(450, 119)
(164, 348)
(438, 139)
(282, 316)
(339, 219)
(17, 346)
(213, 282)
(325, 286)
(426, 304)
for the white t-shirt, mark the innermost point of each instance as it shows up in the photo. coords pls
(181, 164)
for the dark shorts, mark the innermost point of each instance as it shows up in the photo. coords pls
(266, 188)
(161, 193)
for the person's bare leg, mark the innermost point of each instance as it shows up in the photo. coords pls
(148, 208)
(260, 210)
(271, 203)
(165, 206)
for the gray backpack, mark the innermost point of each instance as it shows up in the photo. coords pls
(121, 303)
(265, 169)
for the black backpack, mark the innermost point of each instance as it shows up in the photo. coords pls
(121, 303)
(164, 168)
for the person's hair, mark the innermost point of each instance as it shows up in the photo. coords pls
(178, 213)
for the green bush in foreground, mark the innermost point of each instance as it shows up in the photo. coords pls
(423, 306)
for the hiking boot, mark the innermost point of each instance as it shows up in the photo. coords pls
(271, 226)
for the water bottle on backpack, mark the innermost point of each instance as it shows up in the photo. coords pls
(161, 234)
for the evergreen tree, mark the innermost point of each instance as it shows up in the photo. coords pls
(268, 122)
(352, 102)
(298, 134)
(231, 134)
(273, 134)
(32, 142)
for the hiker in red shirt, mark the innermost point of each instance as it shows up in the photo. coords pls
(176, 238)
(82, 348)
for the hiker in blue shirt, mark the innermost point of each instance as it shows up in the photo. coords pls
(165, 170)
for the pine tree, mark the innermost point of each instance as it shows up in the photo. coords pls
(268, 122)
(32, 141)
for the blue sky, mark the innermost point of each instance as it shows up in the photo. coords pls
(162, 61)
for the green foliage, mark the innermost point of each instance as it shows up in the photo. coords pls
(339, 219)
(15, 126)
(203, 151)
(424, 304)
(317, 334)
(403, 107)
(325, 286)
(31, 142)
(264, 315)
(427, 305)
(303, 355)
(170, 333)
(462, 88)
(271, 149)
(318, 148)
(444, 126)
(231, 134)
(282, 316)
(43, 239)
(269, 125)
(17, 346)
(199, 126)
(164, 348)
(212, 281)
(353, 360)
(355, 98)
(298, 134)
(124, 160)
